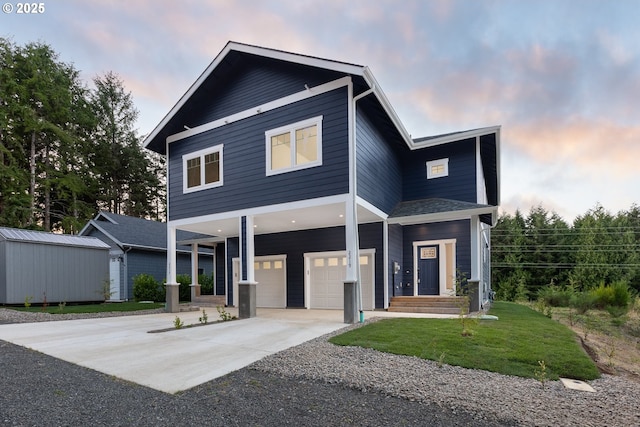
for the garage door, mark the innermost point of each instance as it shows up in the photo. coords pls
(271, 275)
(325, 281)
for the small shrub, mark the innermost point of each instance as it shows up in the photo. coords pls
(27, 301)
(147, 288)
(206, 284)
(541, 373)
(602, 295)
(61, 306)
(204, 319)
(185, 286)
(622, 295)
(556, 296)
(583, 302)
(178, 323)
(224, 315)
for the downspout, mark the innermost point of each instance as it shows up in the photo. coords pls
(355, 195)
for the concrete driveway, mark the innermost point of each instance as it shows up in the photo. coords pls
(177, 359)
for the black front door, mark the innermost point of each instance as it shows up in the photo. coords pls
(428, 270)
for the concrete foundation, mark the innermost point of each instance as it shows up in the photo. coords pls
(246, 300)
(351, 312)
(172, 298)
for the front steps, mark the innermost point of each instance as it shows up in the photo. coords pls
(428, 304)
(209, 300)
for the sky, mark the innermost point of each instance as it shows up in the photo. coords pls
(562, 77)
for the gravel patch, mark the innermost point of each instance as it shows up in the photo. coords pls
(315, 383)
(15, 316)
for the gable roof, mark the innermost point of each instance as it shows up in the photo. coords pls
(128, 231)
(32, 236)
(156, 140)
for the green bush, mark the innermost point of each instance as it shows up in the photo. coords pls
(556, 296)
(622, 295)
(185, 286)
(582, 302)
(206, 284)
(147, 288)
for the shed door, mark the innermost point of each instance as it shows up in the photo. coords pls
(114, 278)
(326, 280)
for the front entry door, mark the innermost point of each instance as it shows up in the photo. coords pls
(428, 270)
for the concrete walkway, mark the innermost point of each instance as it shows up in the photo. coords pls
(177, 359)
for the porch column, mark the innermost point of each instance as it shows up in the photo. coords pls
(172, 286)
(351, 281)
(195, 286)
(247, 283)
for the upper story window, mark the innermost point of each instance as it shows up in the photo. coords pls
(437, 168)
(202, 169)
(295, 146)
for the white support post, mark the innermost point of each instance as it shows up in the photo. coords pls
(247, 283)
(195, 286)
(172, 287)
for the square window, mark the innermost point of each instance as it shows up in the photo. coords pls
(295, 146)
(437, 168)
(202, 169)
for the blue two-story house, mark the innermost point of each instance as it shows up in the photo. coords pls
(306, 180)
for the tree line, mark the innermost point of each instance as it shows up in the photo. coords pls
(530, 252)
(67, 150)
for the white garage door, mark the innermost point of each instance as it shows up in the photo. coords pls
(271, 275)
(326, 274)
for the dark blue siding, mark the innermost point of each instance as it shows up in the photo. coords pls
(252, 81)
(296, 243)
(459, 185)
(244, 161)
(378, 166)
(233, 251)
(459, 230)
(220, 269)
(489, 156)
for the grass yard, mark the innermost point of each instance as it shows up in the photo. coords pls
(512, 345)
(91, 308)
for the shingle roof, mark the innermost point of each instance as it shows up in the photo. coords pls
(138, 232)
(433, 206)
(18, 235)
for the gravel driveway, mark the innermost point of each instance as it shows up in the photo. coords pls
(315, 383)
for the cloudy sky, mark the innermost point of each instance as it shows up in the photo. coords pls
(562, 77)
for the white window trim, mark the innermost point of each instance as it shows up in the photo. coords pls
(201, 153)
(439, 162)
(291, 128)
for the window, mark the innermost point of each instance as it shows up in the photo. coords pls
(437, 168)
(295, 146)
(202, 169)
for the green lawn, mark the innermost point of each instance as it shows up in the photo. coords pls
(92, 308)
(512, 345)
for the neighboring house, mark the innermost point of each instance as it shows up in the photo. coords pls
(44, 267)
(303, 175)
(140, 246)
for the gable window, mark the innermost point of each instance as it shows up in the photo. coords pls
(202, 169)
(437, 168)
(295, 146)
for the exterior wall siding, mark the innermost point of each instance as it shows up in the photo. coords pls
(459, 185)
(244, 161)
(62, 273)
(378, 166)
(459, 230)
(253, 81)
(3, 272)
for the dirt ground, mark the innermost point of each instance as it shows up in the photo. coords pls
(612, 342)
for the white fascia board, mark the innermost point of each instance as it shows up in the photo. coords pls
(498, 161)
(282, 207)
(455, 137)
(386, 105)
(297, 58)
(96, 225)
(259, 109)
(371, 208)
(443, 216)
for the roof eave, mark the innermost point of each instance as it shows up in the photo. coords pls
(455, 137)
(443, 216)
